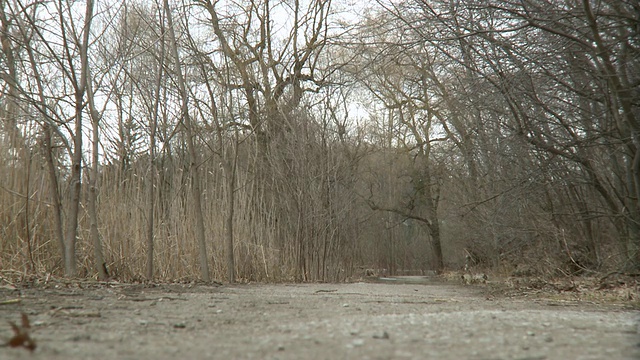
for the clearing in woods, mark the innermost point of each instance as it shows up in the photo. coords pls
(406, 320)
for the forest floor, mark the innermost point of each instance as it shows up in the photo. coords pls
(397, 318)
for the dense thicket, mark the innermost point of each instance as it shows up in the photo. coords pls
(311, 140)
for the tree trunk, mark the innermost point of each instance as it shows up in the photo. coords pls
(75, 187)
(75, 180)
(152, 163)
(150, 205)
(434, 231)
(55, 192)
(100, 264)
(230, 172)
(193, 165)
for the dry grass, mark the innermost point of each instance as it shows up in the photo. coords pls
(614, 288)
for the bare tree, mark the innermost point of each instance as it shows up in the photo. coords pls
(151, 184)
(548, 38)
(193, 160)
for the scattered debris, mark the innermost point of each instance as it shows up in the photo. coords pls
(612, 288)
(21, 337)
(75, 311)
(523, 271)
(80, 337)
(383, 335)
(369, 272)
(548, 338)
(474, 278)
(10, 301)
(278, 302)
(357, 342)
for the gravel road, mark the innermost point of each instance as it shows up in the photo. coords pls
(313, 321)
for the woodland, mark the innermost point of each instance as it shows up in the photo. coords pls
(318, 140)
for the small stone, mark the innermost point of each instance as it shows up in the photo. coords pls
(82, 337)
(548, 339)
(383, 335)
(345, 305)
(218, 311)
(357, 342)
(531, 333)
(280, 347)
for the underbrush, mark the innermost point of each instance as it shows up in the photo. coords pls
(610, 288)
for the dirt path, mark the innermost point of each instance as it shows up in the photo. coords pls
(313, 321)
